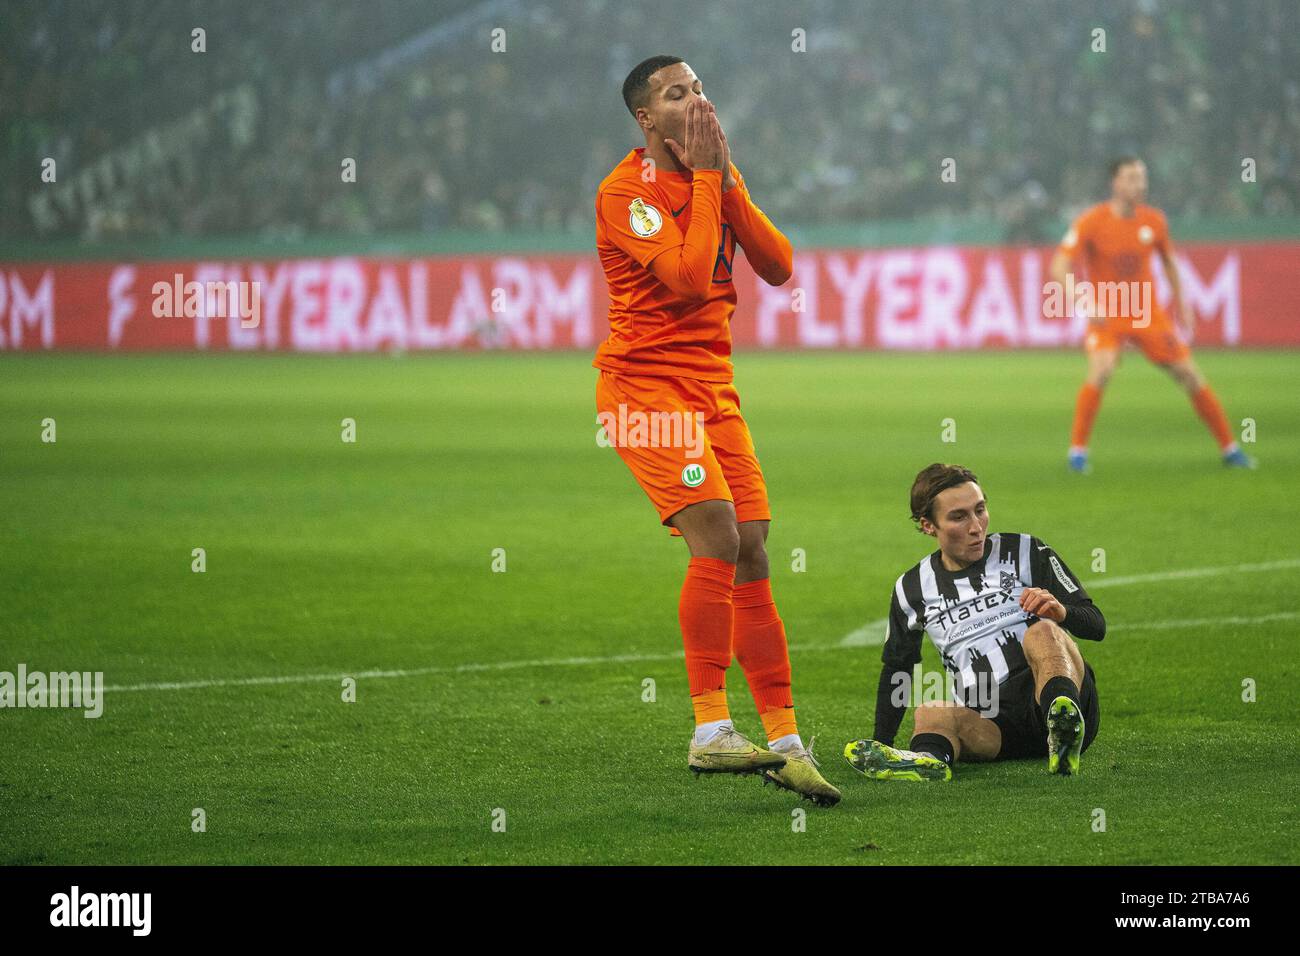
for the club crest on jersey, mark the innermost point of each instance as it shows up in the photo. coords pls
(1145, 235)
(644, 219)
(693, 476)
(1006, 582)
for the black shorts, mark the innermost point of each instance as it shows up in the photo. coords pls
(1024, 732)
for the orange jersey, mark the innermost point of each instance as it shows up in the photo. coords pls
(1116, 248)
(667, 247)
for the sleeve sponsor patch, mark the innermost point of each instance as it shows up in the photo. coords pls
(1061, 576)
(644, 219)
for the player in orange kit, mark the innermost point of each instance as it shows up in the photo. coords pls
(1114, 240)
(668, 220)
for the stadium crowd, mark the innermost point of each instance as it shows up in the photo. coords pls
(461, 137)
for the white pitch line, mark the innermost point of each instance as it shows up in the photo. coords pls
(869, 637)
(401, 672)
(1193, 573)
(1205, 622)
(622, 658)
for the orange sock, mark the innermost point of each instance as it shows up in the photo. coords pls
(710, 706)
(705, 614)
(759, 640)
(779, 722)
(1207, 406)
(1085, 410)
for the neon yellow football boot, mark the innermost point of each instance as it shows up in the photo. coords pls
(879, 761)
(1064, 737)
(800, 775)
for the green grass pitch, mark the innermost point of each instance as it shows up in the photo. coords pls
(523, 690)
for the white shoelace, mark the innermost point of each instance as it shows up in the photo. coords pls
(798, 752)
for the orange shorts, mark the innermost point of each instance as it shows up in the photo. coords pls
(1162, 341)
(685, 442)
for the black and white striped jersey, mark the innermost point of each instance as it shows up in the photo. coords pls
(973, 616)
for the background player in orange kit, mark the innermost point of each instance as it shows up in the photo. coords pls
(1115, 239)
(668, 220)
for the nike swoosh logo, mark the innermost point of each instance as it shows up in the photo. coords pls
(678, 212)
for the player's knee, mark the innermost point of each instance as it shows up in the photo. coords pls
(1044, 637)
(722, 540)
(752, 562)
(710, 530)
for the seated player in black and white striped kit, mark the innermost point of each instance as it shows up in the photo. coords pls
(1001, 609)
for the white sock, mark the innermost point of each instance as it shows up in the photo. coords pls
(788, 742)
(1233, 447)
(707, 731)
